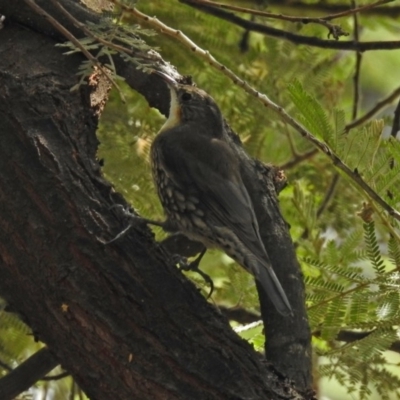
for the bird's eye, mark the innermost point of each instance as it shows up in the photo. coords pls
(186, 96)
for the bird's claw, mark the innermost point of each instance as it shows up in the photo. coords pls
(184, 265)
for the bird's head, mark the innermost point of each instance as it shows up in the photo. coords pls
(190, 105)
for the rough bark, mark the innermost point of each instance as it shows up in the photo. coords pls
(120, 318)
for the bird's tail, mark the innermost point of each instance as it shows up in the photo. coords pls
(266, 276)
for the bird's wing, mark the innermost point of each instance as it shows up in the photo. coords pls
(208, 168)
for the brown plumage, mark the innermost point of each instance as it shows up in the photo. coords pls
(198, 180)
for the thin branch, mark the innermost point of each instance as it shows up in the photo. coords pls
(298, 158)
(334, 30)
(291, 144)
(27, 373)
(70, 37)
(325, 7)
(325, 202)
(355, 10)
(354, 336)
(329, 194)
(396, 121)
(374, 110)
(393, 133)
(353, 175)
(290, 18)
(292, 37)
(244, 316)
(356, 78)
(45, 378)
(88, 32)
(239, 314)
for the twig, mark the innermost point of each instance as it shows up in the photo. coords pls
(351, 336)
(329, 194)
(298, 158)
(393, 133)
(374, 110)
(354, 336)
(87, 31)
(353, 175)
(289, 18)
(66, 33)
(356, 10)
(292, 37)
(342, 294)
(356, 78)
(334, 30)
(396, 121)
(291, 144)
(330, 7)
(239, 314)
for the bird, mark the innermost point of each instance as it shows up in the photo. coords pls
(197, 176)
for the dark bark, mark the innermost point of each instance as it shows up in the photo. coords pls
(120, 318)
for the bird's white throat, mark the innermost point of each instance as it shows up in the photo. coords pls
(174, 112)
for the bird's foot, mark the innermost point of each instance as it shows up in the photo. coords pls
(194, 266)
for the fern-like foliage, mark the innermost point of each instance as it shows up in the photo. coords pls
(14, 338)
(373, 248)
(105, 40)
(356, 291)
(312, 114)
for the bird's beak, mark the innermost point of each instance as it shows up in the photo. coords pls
(166, 78)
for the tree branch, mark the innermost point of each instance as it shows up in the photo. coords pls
(396, 121)
(329, 194)
(298, 158)
(27, 374)
(332, 8)
(356, 77)
(374, 110)
(291, 18)
(292, 37)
